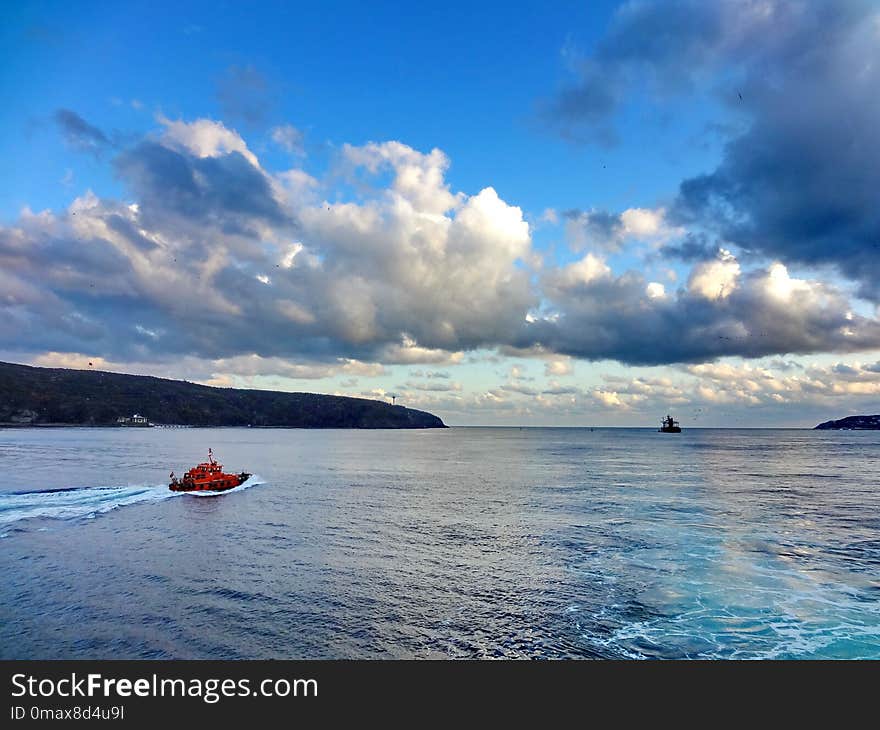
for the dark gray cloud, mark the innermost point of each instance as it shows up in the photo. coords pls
(601, 316)
(661, 48)
(847, 371)
(79, 134)
(692, 247)
(785, 366)
(597, 228)
(669, 48)
(226, 191)
(800, 183)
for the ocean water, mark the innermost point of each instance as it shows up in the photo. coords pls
(458, 543)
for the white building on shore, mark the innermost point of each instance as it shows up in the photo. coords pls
(135, 420)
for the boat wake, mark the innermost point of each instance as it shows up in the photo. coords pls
(84, 502)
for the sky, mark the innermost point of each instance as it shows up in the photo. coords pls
(560, 213)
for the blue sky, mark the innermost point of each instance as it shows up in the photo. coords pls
(648, 178)
(465, 78)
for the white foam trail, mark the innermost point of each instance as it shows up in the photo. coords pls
(65, 504)
(79, 502)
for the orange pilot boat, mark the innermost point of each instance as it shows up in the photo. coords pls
(207, 477)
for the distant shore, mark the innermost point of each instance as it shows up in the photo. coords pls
(115, 427)
(58, 397)
(852, 423)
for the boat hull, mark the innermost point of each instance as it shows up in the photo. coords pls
(217, 484)
(674, 429)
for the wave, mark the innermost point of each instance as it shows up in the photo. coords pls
(71, 503)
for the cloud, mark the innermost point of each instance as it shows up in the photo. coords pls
(79, 134)
(799, 172)
(71, 360)
(596, 229)
(608, 399)
(288, 138)
(730, 383)
(245, 94)
(711, 392)
(431, 387)
(197, 174)
(204, 138)
(549, 216)
(240, 370)
(798, 182)
(517, 387)
(418, 177)
(588, 269)
(518, 372)
(691, 247)
(599, 229)
(594, 314)
(708, 394)
(254, 365)
(558, 368)
(217, 258)
(409, 352)
(227, 259)
(664, 50)
(715, 279)
(430, 374)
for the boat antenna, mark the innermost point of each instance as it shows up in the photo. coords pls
(210, 455)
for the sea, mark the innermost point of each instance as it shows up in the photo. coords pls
(460, 543)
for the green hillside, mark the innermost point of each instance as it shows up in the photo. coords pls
(36, 396)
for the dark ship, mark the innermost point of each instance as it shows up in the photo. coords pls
(667, 425)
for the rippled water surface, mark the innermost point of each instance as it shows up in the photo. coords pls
(466, 542)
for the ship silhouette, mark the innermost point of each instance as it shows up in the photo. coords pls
(668, 425)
